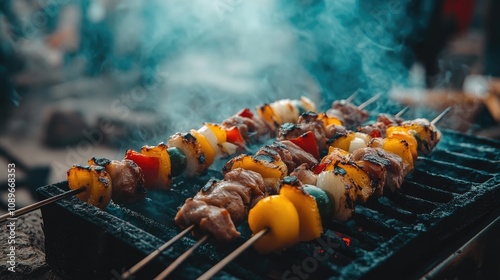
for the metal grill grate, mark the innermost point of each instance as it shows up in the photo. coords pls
(454, 188)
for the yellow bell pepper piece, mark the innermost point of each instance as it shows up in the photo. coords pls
(278, 214)
(219, 132)
(309, 216)
(400, 148)
(331, 149)
(267, 113)
(165, 167)
(343, 142)
(398, 133)
(329, 120)
(205, 146)
(267, 168)
(353, 172)
(96, 181)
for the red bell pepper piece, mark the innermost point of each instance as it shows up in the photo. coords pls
(307, 142)
(150, 167)
(233, 135)
(319, 168)
(375, 134)
(245, 113)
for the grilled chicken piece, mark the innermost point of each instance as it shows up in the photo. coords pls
(209, 219)
(220, 205)
(377, 129)
(349, 113)
(252, 129)
(127, 179)
(376, 162)
(305, 175)
(292, 154)
(238, 192)
(307, 122)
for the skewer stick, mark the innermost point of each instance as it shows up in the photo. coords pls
(138, 266)
(402, 112)
(220, 265)
(440, 116)
(369, 101)
(352, 96)
(40, 204)
(180, 259)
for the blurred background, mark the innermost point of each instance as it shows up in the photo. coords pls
(84, 78)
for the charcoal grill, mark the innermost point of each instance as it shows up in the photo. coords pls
(449, 198)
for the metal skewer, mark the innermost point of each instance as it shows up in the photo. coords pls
(369, 101)
(352, 96)
(37, 205)
(180, 259)
(440, 116)
(138, 266)
(220, 265)
(402, 112)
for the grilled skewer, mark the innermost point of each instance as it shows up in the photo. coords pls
(98, 183)
(260, 234)
(169, 269)
(210, 273)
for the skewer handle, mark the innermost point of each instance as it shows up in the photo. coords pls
(440, 116)
(400, 113)
(229, 258)
(133, 270)
(352, 96)
(369, 101)
(180, 259)
(40, 204)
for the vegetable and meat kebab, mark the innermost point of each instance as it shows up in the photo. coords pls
(188, 154)
(251, 184)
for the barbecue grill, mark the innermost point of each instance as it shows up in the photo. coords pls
(436, 227)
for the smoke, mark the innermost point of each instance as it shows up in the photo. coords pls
(216, 57)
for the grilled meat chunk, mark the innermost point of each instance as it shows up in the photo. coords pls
(307, 122)
(305, 175)
(348, 113)
(210, 219)
(252, 129)
(376, 162)
(377, 129)
(292, 154)
(220, 205)
(127, 179)
(238, 192)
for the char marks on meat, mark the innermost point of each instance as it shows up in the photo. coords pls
(239, 191)
(127, 179)
(380, 165)
(292, 154)
(306, 122)
(251, 129)
(209, 219)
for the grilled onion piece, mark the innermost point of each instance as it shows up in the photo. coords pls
(342, 191)
(189, 145)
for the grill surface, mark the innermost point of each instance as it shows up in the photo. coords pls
(398, 235)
